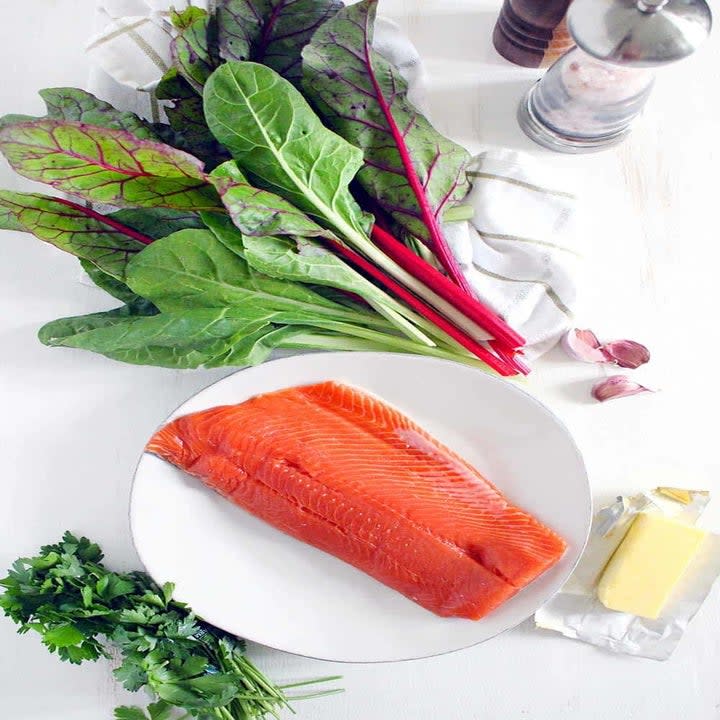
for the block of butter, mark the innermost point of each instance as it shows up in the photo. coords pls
(648, 564)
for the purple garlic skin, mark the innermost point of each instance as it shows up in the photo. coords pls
(617, 386)
(626, 353)
(584, 345)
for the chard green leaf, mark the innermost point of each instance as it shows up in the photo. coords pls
(8, 218)
(107, 166)
(173, 85)
(301, 260)
(15, 119)
(57, 331)
(274, 135)
(156, 223)
(192, 269)
(183, 19)
(225, 231)
(70, 227)
(81, 106)
(255, 348)
(197, 338)
(412, 171)
(271, 32)
(307, 261)
(259, 212)
(194, 50)
(111, 285)
(188, 130)
(72, 104)
(185, 340)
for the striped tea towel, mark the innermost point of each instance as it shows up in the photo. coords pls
(519, 251)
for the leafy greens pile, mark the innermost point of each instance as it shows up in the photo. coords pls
(81, 610)
(235, 228)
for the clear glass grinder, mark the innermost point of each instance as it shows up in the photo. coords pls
(588, 99)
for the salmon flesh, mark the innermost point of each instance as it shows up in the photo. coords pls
(339, 469)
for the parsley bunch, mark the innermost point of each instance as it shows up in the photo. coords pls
(80, 609)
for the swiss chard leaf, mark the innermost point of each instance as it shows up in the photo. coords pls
(253, 348)
(81, 106)
(57, 331)
(8, 218)
(259, 212)
(194, 50)
(274, 135)
(187, 130)
(336, 272)
(70, 227)
(156, 223)
(184, 340)
(173, 85)
(411, 171)
(193, 268)
(305, 260)
(106, 166)
(271, 32)
(204, 337)
(15, 119)
(183, 19)
(110, 285)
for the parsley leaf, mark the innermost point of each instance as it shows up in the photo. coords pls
(81, 609)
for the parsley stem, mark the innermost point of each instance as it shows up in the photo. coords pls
(328, 678)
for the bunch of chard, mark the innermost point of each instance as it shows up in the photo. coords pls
(235, 228)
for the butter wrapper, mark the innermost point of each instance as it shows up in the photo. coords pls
(576, 611)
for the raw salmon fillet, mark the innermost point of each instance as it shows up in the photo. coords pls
(343, 471)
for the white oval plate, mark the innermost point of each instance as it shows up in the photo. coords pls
(252, 580)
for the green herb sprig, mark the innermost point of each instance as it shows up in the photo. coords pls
(80, 609)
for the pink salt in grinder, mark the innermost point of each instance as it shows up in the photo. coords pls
(588, 99)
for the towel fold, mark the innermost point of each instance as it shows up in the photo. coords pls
(519, 251)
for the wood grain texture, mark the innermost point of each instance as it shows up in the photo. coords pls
(74, 423)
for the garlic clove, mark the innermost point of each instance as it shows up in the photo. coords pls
(583, 345)
(617, 386)
(626, 353)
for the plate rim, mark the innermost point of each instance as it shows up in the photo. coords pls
(588, 510)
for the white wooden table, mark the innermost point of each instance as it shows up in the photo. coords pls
(73, 423)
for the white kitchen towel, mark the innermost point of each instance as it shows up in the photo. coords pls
(520, 251)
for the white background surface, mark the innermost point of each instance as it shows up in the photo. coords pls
(72, 423)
